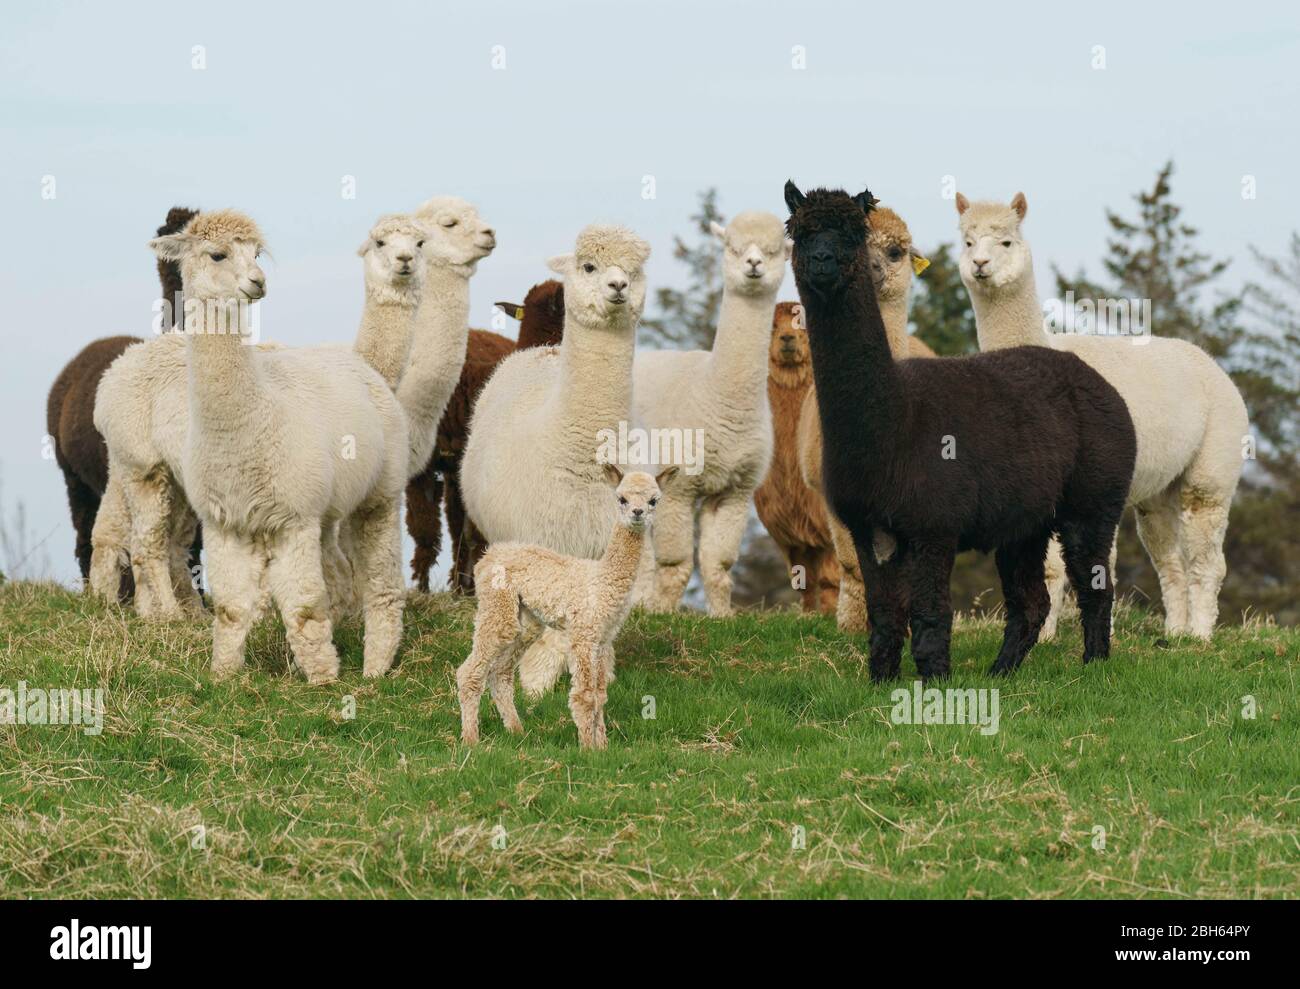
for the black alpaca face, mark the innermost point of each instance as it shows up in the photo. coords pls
(829, 230)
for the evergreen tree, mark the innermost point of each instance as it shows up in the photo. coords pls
(941, 314)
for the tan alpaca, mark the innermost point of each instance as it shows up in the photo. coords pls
(523, 589)
(893, 263)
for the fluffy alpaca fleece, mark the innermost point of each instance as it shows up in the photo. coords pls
(990, 452)
(722, 394)
(1191, 421)
(541, 317)
(524, 589)
(274, 448)
(530, 472)
(458, 239)
(894, 260)
(394, 282)
(79, 449)
(792, 512)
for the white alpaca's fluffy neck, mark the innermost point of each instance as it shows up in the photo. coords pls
(1009, 315)
(737, 368)
(441, 336)
(595, 381)
(225, 388)
(387, 328)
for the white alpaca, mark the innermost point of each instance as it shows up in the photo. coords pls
(720, 396)
(894, 262)
(524, 589)
(1190, 419)
(530, 472)
(457, 240)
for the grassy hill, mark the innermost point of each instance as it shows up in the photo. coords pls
(764, 724)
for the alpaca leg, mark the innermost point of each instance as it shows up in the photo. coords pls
(1205, 523)
(149, 501)
(828, 580)
(1024, 589)
(501, 684)
(543, 661)
(473, 546)
(1054, 573)
(496, 629)
(674, 550)
(1159, 526)
(586, 694)
(379, 565)
(886, 588)
(83, 504)
(804, 560)
(722, 527)
(424, 523)
(459, 526)
(851, 607)
(235, 570)
(297, 584)
(110, 541)
(340, 580)
(929, 570)
(1087, 553)
(184, 526)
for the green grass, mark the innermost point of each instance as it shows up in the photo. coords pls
(764, 722)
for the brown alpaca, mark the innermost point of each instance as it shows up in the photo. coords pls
(541, 324)
(79, 450)
(793, 513)
(894, 262)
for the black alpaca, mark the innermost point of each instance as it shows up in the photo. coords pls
(994, 451)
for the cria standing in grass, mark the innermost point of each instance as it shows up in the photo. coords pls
(523, 589)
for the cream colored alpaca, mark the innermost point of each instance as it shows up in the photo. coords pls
(458, 238)
(1190, 419)
(894, 261)
(530, 472)
(720, 394)
(524, 589)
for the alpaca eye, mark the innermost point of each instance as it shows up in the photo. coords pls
(449, 223)
(379, 243)
(217, 257)
(895, 254)
(653, 502)
(969, 244)
(622, 500)
(589, 267)
(419, 243)
(1006, 243)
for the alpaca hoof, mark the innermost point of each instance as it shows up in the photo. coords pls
(225, 671)
(1048, 632)
(469, 737)
(515, 727)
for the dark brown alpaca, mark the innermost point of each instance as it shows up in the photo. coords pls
(793, 514)
(541, 324)
(993, 452)
(79, 450)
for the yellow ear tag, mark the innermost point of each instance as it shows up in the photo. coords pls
(519, 313)
(919, 264)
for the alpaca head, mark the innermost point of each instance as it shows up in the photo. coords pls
(829, 230)
(638, 494)
(754, 253)
(890, 252)
(604, 277)
(994, 254)
(540, 315)
(217, 253)
(394, 269)
(458, 237)
(788, 354)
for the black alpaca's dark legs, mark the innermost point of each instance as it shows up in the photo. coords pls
(83, 503)
(424, 523)
(462, 538)
(886, 588)
(929, 569)
(1087, 563)
(1024, 589)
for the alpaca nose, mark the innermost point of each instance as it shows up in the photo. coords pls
(787, 337)
(980, 263)
(405, 258)
(638, 512)
(618, 284)
(822, 257)
(259, 282)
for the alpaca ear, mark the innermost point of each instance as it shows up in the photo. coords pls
(794, 199)
(513, 309)
(171, 247)
(718, 231)
(666, 476)
(963, 204)
(560, 263)
(866, 201)
(613, 474)
(1020, 204)
(365, 246)
(789, 248)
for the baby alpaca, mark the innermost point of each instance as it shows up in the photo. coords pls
(525, 588)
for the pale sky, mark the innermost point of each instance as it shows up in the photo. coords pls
(593, 97)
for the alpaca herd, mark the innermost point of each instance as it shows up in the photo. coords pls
(871, 461)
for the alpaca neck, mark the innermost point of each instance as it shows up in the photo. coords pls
(793, 377)
(595, 384)
(1009, 316)
(859, 391)
(437, 354)
(894, 313)
(618, 565)
(737, 367)
(387, 325)
(224, 384)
